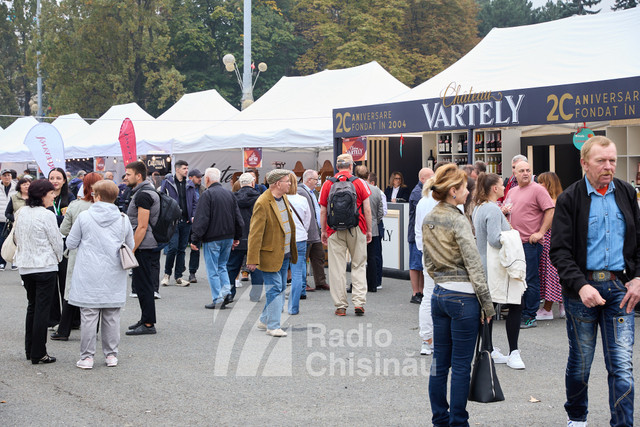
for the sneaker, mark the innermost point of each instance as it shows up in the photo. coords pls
(245, 276)
(426, 348)
(276, 333)
(181, 282)
(111, 361)
(192, 278)
(14, 267)
(165, 280)
(133, 295)
(515, 361)
(156, 295)
(543, 314)
(498, 357)
(561, 311)
(341, 311)
(261, 326)
(238, 283)
(3, 266)
(379, 286)
(142, 330)
(85, 363)
(528, 323)
(135, 325)
(359, 311)
(571, 423)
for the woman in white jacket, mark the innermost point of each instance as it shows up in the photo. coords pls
(99, 283)
(302, 217)
(490, 222)
(39, 250)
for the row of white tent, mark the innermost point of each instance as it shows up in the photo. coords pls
(297, 111)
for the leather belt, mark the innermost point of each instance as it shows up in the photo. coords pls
(601, 276)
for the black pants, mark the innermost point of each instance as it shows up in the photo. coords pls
(372, 268)
(58, 295)
(194, 261)
(378, 242)
(70, 315)
(512, 324)
(146, 278)
(40, 288)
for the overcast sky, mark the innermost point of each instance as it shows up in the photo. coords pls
(605, 5)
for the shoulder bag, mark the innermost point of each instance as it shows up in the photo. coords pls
(9, 247)
(127, 258)
(485, 386)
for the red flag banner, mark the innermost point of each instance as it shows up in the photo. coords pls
(356, 146)
(127, 140)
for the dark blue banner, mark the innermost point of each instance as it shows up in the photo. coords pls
(461, 108)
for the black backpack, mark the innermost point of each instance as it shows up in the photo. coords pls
(168, 217)
(342, 206)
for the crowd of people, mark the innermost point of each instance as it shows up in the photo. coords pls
(480, 247)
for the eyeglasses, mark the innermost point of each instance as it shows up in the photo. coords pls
(397, 177)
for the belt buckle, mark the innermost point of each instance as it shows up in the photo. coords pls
(601, 276)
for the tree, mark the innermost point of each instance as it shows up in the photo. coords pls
(503, 13)
(624, 4)
(8, 67)
(105, 52)
(579, 7)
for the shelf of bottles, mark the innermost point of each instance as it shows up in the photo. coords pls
(453, 147)
(487, 148)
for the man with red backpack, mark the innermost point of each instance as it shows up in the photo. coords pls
(345, 217)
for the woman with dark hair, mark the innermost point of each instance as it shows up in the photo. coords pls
(71, 314)
(63, 197)
(397, 189)
(39, 250)
(460, 300)
(490, 222)
(18, 199)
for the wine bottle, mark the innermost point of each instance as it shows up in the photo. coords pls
(430, 160)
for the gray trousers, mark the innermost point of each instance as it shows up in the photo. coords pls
(109, 331)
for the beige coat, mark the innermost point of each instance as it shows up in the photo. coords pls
(266, 235)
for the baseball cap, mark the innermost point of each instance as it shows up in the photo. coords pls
(195, 172)
(5, 171)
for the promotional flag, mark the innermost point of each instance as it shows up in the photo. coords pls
(253, 157)
(401, 144)
(356, 146)
(45, 143)
(127, 140)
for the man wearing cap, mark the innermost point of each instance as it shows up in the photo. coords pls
(183, 191)
(595, 247)
(272, 247)
(195, 176)
(218, 226)
(353, 240)
(7, 190)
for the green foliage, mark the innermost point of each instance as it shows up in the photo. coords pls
(504, 13)
(624, 4)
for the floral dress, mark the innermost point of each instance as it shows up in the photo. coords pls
(550, 289)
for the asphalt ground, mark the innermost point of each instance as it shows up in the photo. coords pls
(213, 367)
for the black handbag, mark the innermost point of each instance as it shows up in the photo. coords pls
(7, 229)
(485, 386)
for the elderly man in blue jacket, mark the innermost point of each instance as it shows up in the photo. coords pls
(183, 191)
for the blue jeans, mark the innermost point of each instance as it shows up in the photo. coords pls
(617, 329)
(235, 264)
(176, 249)
(275, 283)
(216, 256)
(531, 297)
(298, 273)
(456, 321)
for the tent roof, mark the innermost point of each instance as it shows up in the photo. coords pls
(297, 111)
(69, 124)
(571, 50)
(101, 138)
(12, 148)
(192, 113)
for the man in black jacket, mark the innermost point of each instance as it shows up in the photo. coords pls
(218, 226)
(595, 246)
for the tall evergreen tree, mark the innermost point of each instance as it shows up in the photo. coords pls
(503, 13)
(624, 4)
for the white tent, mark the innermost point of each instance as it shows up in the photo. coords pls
(69, 125)
(101, 138)
(297, 111)
(194, 112)
(571, 50)
(12, 148)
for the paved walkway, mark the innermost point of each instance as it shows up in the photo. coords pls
(209, 367)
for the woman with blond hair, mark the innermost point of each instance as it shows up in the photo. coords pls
(302, 218)
(460, 300)
(550, 289)
(397, 189)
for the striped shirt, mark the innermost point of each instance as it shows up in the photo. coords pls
(284, 219)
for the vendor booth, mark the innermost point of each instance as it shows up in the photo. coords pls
(548, 79)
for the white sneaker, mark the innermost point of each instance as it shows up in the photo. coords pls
(379, 287)
(238, 283)
(261, 326)
(515, 361)
(426, 348)
(561, 312)
(156, 295)
(498, 357)
(165, 280)
(276, 333)
(576, 423)
(133, 295)
(182, 282)
(85, 363)
(111, 360)
(543, 314)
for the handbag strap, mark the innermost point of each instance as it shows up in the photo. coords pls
(124, 229)
(296, 212)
